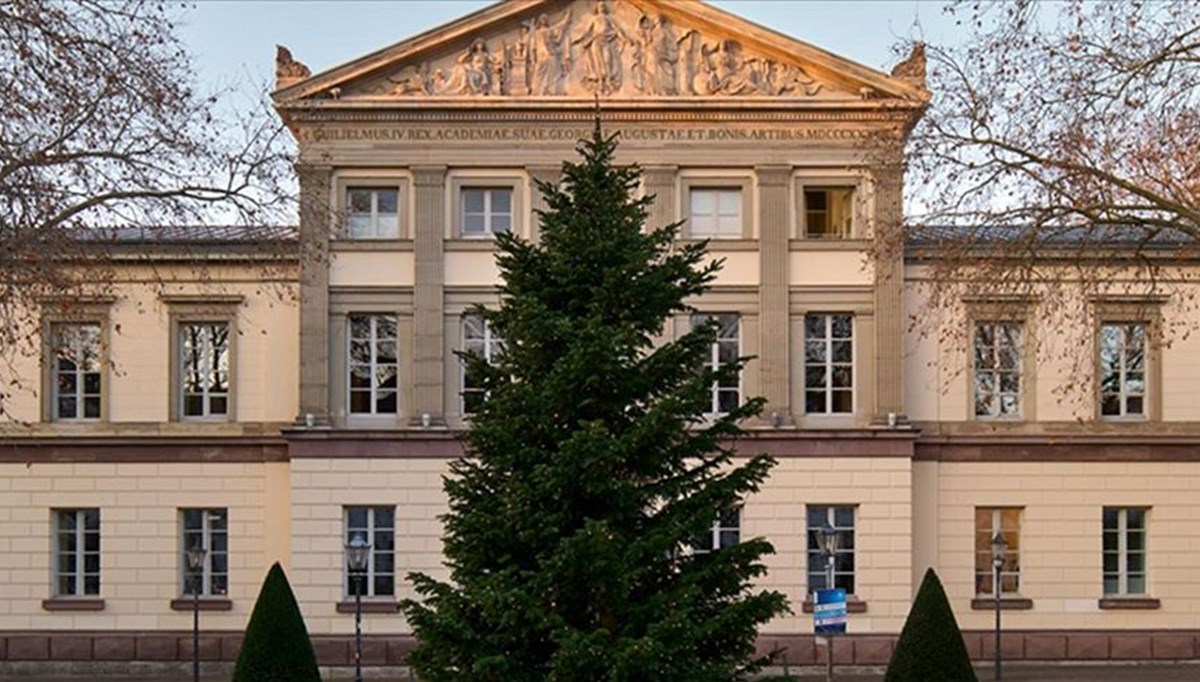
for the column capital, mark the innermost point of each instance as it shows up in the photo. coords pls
(426, 176)
(773, 175)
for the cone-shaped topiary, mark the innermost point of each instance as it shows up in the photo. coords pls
(931, 646)
(276, 647)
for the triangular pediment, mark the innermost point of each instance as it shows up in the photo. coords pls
(581, 49)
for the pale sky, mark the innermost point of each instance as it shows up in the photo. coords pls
(234, 40)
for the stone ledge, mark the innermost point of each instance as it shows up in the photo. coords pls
(72, 604)
(1130, 603)
(204, 604)
(369, 606)
(1006, 604)
(852, 606)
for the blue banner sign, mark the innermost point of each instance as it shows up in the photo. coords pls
(829, 612)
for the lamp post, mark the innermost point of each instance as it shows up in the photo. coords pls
(195, 561)
(999, 552)
(829, 544)
(358, 552)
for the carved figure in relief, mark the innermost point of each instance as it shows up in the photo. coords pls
(601, 39)
(792, 79)
(912, 69)
(723, 71)
(547, 50)
(286, 66)
(667, 52)
(475, 72)
(412, 80)
(516, 66)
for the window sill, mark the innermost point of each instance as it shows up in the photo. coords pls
(72, 604)
(462, 243)
(716, 243)
(853, 605)
(369, 606)
(1129, 603)
(829, 244)
(371, 244)
(204, 604)
(1006, 604)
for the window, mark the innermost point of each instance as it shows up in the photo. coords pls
(828, 212)
(1123, 369)
(989, 520)
(997, 369)
(1124, 551)
(204, 368)
(726, 348)
(479, 339)
(486, 210)
(715, 212)
(77, 371)
(842, 520)
(726, 532)
(372, 213)
(377, 527)
(828, 364)
(207, 528)
(373, 364)
(76, 552)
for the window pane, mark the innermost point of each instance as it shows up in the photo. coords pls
(358, 200)
(473, 224)
(702, 202)
(473, 200)
(356, 517)
(501, 223)
(1137, 584)
(502, 201)
(386, 201)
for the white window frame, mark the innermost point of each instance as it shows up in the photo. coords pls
(828, 364)
(207, 350)
(1012, 555)
(208, 518)
(1123, 552)
(996, 370)
(490, 343)
(719, 225)
(373, 365)
(488, 214)
(714, 357)
(377, 220)
(78, 556)
(713, 534)
(1123, 371)
(812, 541)
(371, 530)
(77, 354)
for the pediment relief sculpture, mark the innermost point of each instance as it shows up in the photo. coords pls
(612, 49)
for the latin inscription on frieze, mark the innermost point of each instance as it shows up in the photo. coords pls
(522, 134)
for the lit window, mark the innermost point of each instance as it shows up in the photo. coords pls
(1124, 551)
(373, 364)
(997, 369)
(726, 348)
(77, 371)
(841, 518)
(376, 526)
(372, 213)
(486, 211)
(989, 521)
(204, 369)
(828, 212)
(715, 212)
(478, 339)
(1123, 369)
(828, 364)
(209, 529)
(726, 531)
(76, 552)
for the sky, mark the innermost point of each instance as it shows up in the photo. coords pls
(233, 41)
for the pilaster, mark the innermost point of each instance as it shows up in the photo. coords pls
(774, 363)
(315, 217)
(429, 185)
(889, 282)
(537, 201)
(659, 181)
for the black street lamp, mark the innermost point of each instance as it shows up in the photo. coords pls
(195, 561)
(999, 552)
(358, 552)
(828, 538)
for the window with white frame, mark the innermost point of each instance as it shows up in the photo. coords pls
(372, 212)
(376, 526)
(841, 519)
(726, 348)
(207, 529)
(726, 531)
(828, 364)
(204, 369)
(75, 390)
(1123, 369)
(828, 212)
(989, 521)
(76, 552)
(997, 369)
(373, 365)
(715, 212)
(1124, 551)
(479, 339)
(486, 210)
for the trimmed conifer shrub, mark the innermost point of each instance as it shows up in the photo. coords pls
(276, 647)
(931, 645)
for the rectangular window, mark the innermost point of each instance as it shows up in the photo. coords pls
(486, 211)
(372, 213)
(828, 212)
(841, 519)
(997, 369)
(715, 212)
(989, 521)
(1123, 369)
(76, 552)
(479, 339)
(204, 368)
(77, 371)
(208, 529)
(828, 364)
(726, 531)
(377, 527)
(1124, 551)
(726, 348)
(373, 364)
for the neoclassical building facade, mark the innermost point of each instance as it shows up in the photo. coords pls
(274, 413)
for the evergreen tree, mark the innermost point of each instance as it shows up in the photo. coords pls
(276, 647)
(931, 645)
(591, 465)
